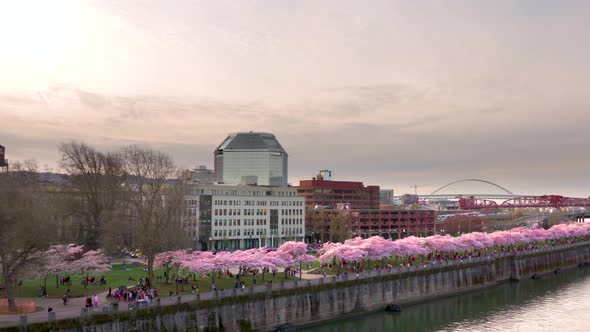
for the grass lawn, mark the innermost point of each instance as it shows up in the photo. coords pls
(115, 278)
(118, 277)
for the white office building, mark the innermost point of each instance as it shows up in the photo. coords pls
(251, 158)
(223, 217)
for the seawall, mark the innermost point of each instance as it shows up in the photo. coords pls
(265, 308)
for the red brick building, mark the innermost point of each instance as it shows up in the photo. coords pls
(324, 193)
(330, 203)
(391, 223)
(388, 223)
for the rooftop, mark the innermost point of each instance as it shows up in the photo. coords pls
(251, 141)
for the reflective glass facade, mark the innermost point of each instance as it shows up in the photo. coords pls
(270, 168)
(248, 158)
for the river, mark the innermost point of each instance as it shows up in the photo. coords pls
(555, 303)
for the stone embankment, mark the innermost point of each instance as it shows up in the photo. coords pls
(264, 308)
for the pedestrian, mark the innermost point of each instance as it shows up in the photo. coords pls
(65, 299)
(96, 300)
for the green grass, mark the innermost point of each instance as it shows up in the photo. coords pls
(115, 278)
(118, 277)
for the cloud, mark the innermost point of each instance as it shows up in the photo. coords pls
(391, 93)
(382, 144)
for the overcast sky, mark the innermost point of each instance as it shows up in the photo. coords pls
(392, 93)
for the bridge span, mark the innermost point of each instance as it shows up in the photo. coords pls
(545, 201)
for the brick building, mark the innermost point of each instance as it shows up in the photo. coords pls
(388, 223)
(323, 193)
(391, 223)
(356, 207)
(325, 201)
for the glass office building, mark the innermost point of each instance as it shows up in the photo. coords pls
(251, 158)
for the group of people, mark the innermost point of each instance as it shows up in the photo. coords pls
(91, 301)
(67, 281)
(90, 281)
(42, 291)
(131, 295)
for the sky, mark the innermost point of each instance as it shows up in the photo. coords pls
(391, 93)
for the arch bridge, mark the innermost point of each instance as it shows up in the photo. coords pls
(510, 200)
(436, 196)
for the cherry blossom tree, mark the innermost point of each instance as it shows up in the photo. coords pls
(373, 248)
(292, 252)
(169, 260)
(58, 260)
(93, 262)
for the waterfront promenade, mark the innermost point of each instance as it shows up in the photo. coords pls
(75, 308)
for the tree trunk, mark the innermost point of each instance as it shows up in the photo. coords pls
(9, 284)
(150, 263)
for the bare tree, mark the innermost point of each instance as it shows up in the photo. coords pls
(25, 222)
(155, 201)
(96, 176)
(339, 230)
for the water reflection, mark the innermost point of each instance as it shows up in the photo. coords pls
(557, 302)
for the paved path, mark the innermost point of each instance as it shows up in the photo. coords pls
(70, 310)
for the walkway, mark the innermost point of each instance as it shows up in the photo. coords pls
(75, 306)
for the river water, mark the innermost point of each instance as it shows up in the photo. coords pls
(555, 303)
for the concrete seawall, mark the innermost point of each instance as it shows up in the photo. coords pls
(307, 302)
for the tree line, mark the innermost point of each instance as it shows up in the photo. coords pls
(131, 198)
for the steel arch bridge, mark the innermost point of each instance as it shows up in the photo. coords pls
(511, 200)
(436, 196)
(473, 180)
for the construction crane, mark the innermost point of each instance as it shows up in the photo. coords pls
(416, 188)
